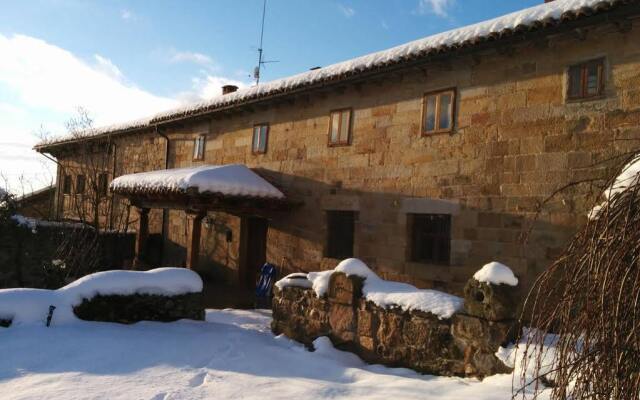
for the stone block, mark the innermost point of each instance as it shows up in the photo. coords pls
(489, 301)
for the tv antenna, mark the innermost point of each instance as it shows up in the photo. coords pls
(261, 62)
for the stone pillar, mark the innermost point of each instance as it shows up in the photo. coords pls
(193, 239)
(141, 236)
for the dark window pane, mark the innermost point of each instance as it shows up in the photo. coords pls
(340, 227)
(430, 114)
(80, 184)
(103, 186)
(593, 85)
(431, 238)
(444, 121)
(264, 129)
(66, 188)
(575, 81)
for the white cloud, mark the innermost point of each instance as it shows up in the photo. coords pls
(107, 67)
(437, 7)
(43, 83)
(346, 10)
(191, 57)
(127, 15)
(208, 86)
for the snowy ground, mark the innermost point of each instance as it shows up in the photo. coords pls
(232, 355)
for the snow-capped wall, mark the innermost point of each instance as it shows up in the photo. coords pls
(390, 322)
(30, 306)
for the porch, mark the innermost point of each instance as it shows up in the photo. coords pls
(230, 189)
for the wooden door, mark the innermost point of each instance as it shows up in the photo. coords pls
(253, 249)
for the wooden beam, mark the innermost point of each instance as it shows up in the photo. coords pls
(141, 237)
(194, 230)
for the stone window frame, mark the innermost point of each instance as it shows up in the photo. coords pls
(258, 147)
(341, 112)
(329, 239)
(452, 111)
(199, 145)
(582, 69)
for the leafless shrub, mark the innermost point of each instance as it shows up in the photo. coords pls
(590, 298)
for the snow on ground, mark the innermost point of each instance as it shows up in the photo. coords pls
(497, 274)
(379, 291)
(232, 355)
(30, 306)
(232, 179)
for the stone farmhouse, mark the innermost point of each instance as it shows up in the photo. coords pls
(425, 161)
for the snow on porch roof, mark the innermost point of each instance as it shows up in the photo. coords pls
(235, 180)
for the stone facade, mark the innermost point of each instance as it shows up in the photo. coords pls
(516, 140)
(462, 345)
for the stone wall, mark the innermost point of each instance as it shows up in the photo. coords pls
(463, 345)
(139, 307)
(517, 139)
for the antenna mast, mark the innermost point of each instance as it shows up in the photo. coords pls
(261, 62)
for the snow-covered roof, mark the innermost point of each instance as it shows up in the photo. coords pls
(229, 180)
(533, 18)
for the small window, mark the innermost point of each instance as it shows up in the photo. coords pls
(586, 80)
(103, 184)
(430, 238)
(80, 184)
(438, 112)
(340, 127)
(340, 230)
(260, 137)
(198, 147)
(66, 185)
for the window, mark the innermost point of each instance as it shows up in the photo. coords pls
(438, 112)
(80, 181)
(260, 136)
(103, 184)
(430, 238)
(340, 127)
(340, 227)
(586, 80)
(198, 147)
(66, 185)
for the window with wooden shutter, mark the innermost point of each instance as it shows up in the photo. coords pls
(430, 238)
(340, 127)
(586, 80)
(438, 112)
(340, 233)
(260, 138)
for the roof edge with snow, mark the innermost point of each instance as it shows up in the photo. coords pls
(542, 17)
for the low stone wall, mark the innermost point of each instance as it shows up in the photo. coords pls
(463, 345)
(141, 307)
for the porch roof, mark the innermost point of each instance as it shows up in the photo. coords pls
(202, 188)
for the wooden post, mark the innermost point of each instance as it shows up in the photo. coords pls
(141, 236)
(193, 239)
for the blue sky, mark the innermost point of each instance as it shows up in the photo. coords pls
(127, 59)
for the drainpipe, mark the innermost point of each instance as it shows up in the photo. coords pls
(166, 166)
